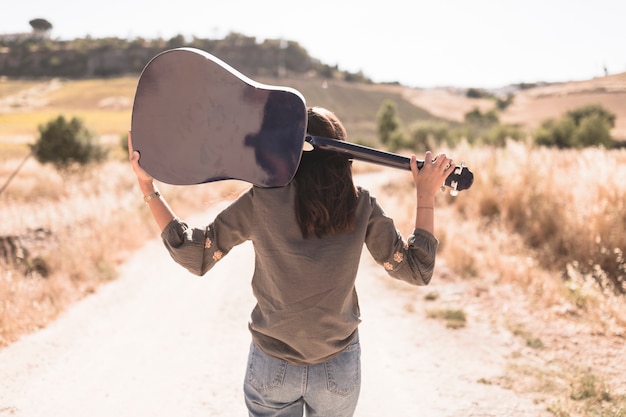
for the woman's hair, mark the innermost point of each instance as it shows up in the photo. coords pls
(326, 197)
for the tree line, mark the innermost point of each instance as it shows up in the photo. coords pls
(107, 57)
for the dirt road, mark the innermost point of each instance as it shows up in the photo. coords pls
(161, 342)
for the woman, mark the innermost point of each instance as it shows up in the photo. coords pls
(307, 237)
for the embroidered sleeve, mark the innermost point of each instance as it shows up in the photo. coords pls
(412, 260)
(198, 249)
(398, 257)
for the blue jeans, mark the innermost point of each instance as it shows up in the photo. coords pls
(275, 388)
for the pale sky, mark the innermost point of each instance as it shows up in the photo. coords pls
(462, 43)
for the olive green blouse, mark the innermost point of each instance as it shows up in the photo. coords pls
(307, 308)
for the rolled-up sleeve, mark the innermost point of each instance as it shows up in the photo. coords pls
(186, 245)
(412, 261)
(199, 249)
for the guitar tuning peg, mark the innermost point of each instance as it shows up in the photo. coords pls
(459, 169)
(454, 185)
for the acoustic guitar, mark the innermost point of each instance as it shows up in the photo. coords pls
(196, 119)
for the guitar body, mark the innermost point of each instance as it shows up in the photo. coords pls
(196, 120)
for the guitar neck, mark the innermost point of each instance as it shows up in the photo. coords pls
(461, 178)
(362, 153)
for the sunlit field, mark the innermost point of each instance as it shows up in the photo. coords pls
(530, 213)
(77, 229)
(550, 223)
(535, 211)
(542, 232)
(539, 241)
(104, 105)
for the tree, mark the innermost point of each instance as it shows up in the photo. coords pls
(476, 93)
(176, 42)
(391, 133)
(387, 121)
(41, 25)
(64, 143)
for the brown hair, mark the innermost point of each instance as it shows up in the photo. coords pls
(326, 196)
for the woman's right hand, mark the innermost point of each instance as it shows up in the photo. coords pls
(433, 174)
(134, 156)
(428, 181)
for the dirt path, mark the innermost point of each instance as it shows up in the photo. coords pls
(160, 342)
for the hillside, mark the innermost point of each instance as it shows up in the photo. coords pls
(106, 104)
(94, 79)
(530, 107)
(527, 268)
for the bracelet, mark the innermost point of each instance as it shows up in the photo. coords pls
(150, 196)
(426, 207)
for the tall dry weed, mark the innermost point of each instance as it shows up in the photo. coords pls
(550, 220)
(93, 219)
(568, 206)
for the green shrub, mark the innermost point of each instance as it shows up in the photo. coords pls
(591, 110)
(63, 143)
(498, 134)
(476, 117)
(428, 135)
(593, 130)
(556, 133)
(579, 128)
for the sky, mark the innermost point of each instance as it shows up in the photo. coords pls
(434, 43)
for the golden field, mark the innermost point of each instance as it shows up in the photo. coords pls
(540, 235)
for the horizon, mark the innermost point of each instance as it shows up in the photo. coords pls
(485, 44)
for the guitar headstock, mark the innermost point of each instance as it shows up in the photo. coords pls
(460, 179)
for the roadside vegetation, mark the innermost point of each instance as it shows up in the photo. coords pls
(544, 216)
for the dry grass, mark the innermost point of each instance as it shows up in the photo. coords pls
(85, 217)
(449, 103)
(10, 87)
(454, 319)
(540, 235)
(106, 121)
(566, 207)
(531, 107)
(502, 233)
(93, 220)
(94, 94)
(537, 243)
(551, 223)
(104, 104)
